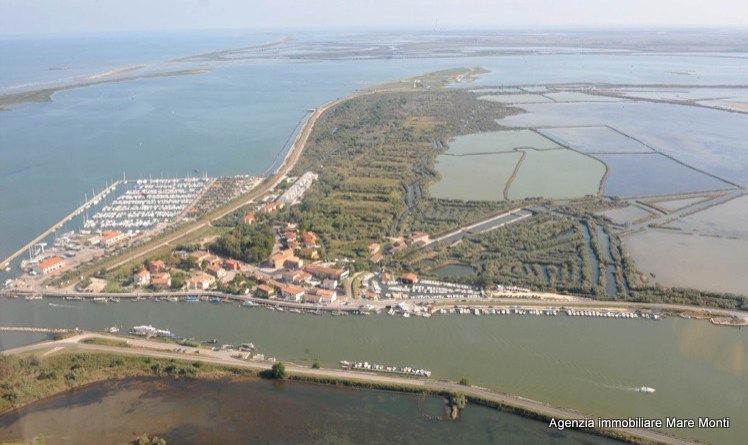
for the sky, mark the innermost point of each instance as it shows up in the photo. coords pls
(66, 16)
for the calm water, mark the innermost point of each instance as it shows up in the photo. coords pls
(698, 369)
(231, 120)
(252, 411)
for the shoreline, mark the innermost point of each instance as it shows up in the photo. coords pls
(512, 404)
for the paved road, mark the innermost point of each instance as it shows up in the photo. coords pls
(164, 350)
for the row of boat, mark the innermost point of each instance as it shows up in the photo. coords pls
(366, 366)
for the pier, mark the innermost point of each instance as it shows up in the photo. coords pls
(59, 224)
(28, 329)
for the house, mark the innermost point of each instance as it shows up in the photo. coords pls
(290, 236)
(309, 254)
(322, 272)
(249, 218)
(264, 291)
(321, 296)
(156, 266)
(398, 246)
(303, 277)
(374, 248)
(293, 245)
(141, 277)
(418, 238)
(370, 295)
(291, 276)
(376, 259)
(293, 263)
(232, 264)
(161, 280)
(218, 272)
(272, 206)
(309, 239)
(200, 281)
(110, 237)
(277, 259)
(50, 265)
(329, 283)
(292, 293)
(409, 278)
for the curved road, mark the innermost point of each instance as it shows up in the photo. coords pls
(166, 350)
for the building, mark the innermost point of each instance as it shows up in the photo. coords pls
(293, 263)
(291, 276)
(370, 295)
(418, 238)
(156, 266)
(278, 259)
(216, 271)
(309, 239)
(111, 237)
(200, 281)
(249, 218)
(161, 280)
(50, 265)
(409, 278)
(322, 272)
(320, 296)
(272, 207)
(329, 283)
(376, 259)
(374, 248)
(141, 277)
(292, 293)
(265, 291)
(232, 264)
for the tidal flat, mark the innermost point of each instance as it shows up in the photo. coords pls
(725, 220)
(595, 140)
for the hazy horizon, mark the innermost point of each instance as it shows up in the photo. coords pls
(19, 17)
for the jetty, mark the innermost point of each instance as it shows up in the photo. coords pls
(30, 329)
(95, 199)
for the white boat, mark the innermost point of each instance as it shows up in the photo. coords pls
(173, 299)
(99, 300)
(112, 330)
(249, 304)
(32, 297)
(646, 389)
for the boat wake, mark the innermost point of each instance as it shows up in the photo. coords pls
(628, 388)
(63, 305)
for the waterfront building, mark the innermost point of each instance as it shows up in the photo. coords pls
(50, 265)
(320, 271)
(161, 280)
(142, 277)
(111, 237)
(200, 281)
(292, 293)
(216, 271)
(264, 291)
(320, 296)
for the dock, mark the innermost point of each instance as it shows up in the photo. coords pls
(29, 329)
(5, 263)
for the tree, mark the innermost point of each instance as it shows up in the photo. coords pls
(315, 365)
(464, 381)
(278, 371)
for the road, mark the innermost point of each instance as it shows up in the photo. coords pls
(149, 348)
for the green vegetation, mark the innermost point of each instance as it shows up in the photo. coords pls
(464, 381)
(25, 379)
(389, 142)
(106, 342)
(250, 243)
(316, 364)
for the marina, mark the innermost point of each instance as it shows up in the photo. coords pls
(147, 203)
(366, 366)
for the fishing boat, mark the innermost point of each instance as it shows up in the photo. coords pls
(249, 303)
(32, 297)
(111, 330)
(173, 299)
(74, 298)
(191, 299)
(215, 299)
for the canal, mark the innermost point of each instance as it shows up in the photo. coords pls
(592, 365)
